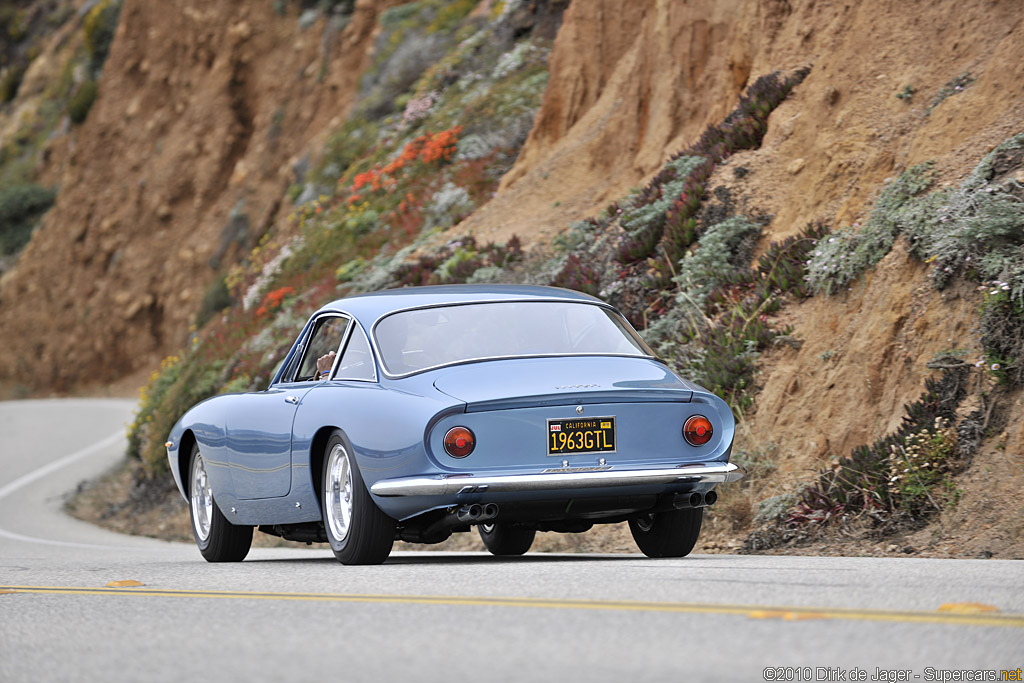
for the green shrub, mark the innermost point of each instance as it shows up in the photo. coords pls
(216, 298)
(14, 22)
(81, 102)
(99, 28)
(977, 229)
(843, 256)
(171, 391)
(21, 207)
(10, 83)
(450, 14)
(1002, 333)
(714, 259)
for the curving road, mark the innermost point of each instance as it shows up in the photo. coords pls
(287, 614)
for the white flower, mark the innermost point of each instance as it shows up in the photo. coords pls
(995, 366)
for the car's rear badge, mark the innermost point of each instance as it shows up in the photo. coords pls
(574, 470)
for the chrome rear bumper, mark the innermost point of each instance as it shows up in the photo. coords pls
(444, 485)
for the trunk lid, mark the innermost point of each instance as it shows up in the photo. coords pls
(517, 383)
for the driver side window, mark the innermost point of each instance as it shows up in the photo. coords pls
(325, 338)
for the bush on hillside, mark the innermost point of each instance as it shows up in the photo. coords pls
(81, 102)
(21, 207)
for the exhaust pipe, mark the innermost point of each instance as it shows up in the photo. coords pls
(467, 514)
(490, 512)
(694, 499)
(440, 529)
(684, 501)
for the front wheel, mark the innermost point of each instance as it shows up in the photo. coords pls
(504, 539)
(672, 533)
(358, 531)
(218, 539)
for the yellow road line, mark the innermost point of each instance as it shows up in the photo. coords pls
(751, 611)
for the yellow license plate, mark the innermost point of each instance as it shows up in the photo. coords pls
(573, 436)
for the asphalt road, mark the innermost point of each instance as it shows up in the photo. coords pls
(297, 615)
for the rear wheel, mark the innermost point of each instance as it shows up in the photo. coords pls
(667, 534)
(218, 539)
(504, 539)
(357, 530)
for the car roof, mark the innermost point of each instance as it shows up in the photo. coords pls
(368, 308)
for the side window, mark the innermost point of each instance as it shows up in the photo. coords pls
(357, 361)
(325, 338)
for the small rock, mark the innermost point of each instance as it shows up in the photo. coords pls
(891, 548)
(241, 30)
(163, 212)
(308, 18)
(795, 166)
(831, 95)
(133, 107)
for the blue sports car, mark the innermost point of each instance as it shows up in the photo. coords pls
(414, 413)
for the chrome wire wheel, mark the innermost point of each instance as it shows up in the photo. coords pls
(202, 498)
(338, 492)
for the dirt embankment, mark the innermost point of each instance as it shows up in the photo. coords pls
(203, 108)
(182, 165)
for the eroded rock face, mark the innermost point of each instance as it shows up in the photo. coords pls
(201, 108)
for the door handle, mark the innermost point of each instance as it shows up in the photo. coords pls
(294, 400)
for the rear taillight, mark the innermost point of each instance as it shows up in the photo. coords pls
(459, 442)
(698, 430)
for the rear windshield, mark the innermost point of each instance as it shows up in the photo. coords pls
(415, 340)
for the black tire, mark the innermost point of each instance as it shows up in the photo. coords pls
(369, 534)
(667, 534)
(225, 542)
(504, 539)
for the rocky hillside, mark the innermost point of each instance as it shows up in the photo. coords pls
(786, 195)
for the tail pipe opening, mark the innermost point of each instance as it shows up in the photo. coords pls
(694, 499)
(467, 514)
